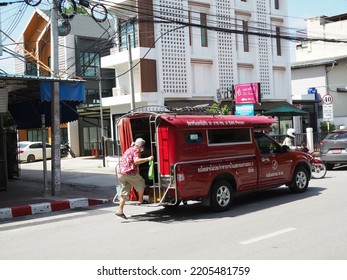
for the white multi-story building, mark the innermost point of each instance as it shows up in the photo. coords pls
(326, 34)
(186, 53)
(320, 65)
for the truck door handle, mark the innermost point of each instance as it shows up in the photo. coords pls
(265, 159)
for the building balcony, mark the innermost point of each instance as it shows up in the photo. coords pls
(118, 58)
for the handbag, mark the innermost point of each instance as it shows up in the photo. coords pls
(151, 170)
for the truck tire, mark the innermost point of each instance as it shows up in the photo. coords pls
(221, 195)
(300, 180)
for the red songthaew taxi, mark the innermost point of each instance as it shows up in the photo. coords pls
(210, 157)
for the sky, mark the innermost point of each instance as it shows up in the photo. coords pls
(298, 10)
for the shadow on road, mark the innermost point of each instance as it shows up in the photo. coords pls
(243, 204)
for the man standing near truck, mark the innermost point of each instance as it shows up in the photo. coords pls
(128, 174)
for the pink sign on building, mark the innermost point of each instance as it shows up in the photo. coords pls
(247, 93)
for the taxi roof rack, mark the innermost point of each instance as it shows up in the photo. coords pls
(203, 109)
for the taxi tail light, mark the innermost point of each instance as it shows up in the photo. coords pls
(20, 151)
(181, 177)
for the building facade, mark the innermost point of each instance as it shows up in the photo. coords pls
(186, 53)
(320, 70)
(325, 33)
(80, 52)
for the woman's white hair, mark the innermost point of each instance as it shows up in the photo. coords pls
(139, 142)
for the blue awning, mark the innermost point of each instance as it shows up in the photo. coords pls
(28, 114)
(29, 97)
(68, 91)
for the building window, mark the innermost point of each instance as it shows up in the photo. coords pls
(243, 0)
(35, 135)
(31, 68)
(126, 28)
(245, 36)
(203, 22)
(64, 136)
(278, 40)
(90, 64)
(277, 4)
(93, 97)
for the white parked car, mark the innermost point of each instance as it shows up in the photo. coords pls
(31, 151)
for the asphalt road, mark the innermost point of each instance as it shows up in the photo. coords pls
(267, 225)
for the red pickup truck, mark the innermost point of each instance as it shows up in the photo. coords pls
(210, 157)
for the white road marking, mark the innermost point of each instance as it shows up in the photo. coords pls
(12, 223)
(266, 236)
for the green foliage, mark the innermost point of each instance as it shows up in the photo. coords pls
(216, 109)
(225, 110)
(80, 10)
(324, 126)
(8, 120)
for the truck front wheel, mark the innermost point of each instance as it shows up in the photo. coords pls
(221, 195)
(300, 180)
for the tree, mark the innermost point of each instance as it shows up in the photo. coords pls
(80, 10)
(216, 109)
(324, 126)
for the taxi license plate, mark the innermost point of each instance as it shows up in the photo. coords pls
(337, 151)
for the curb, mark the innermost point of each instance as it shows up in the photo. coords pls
(45, 207)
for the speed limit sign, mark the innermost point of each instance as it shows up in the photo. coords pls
(327, 99)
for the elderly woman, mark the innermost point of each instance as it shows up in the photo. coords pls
(128, 174)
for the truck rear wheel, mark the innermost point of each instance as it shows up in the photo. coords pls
(221, 195)
(300, 180)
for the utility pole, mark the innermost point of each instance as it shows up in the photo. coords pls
(55, 104)
(101, 120)
(233, 102)
(44, 155)
(131, 75)
(0, 36)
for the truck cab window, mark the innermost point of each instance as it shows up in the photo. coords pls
(266, 145)
(229, 136)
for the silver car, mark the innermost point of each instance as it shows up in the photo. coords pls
(31, 151)
(333, 148)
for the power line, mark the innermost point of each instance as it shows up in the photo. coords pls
(171, 17)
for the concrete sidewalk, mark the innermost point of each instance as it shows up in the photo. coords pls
(84, 182)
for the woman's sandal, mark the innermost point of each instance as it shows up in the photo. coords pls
(122, 216)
